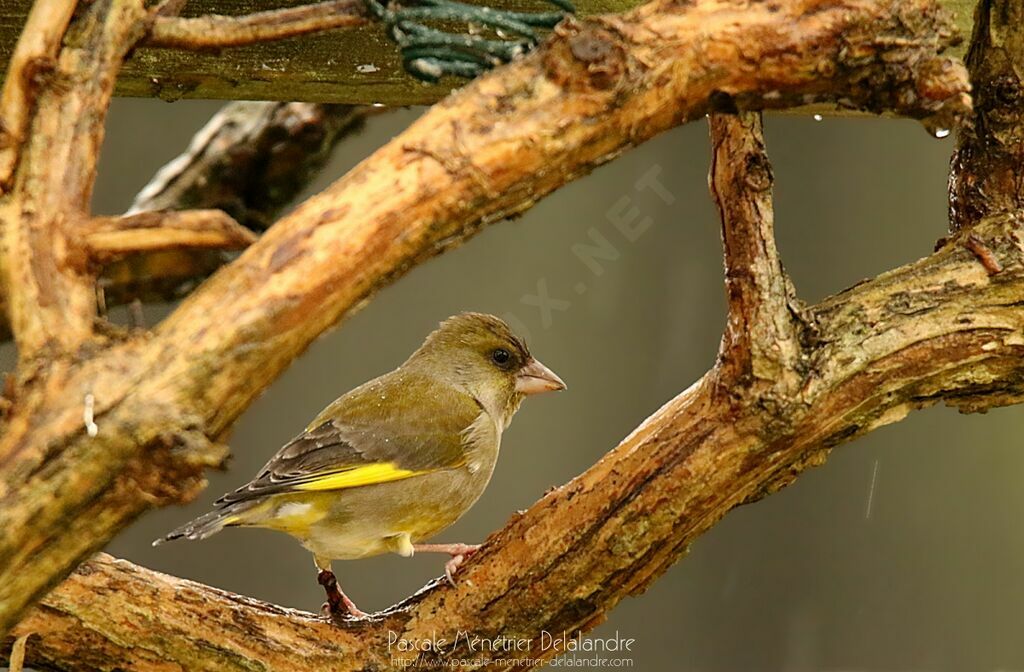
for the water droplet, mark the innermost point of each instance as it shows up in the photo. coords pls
(818, 117)
(377, 105)
(937, 126)
(91, 428)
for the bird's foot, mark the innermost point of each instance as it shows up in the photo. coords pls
(459, 552)
(336, 600)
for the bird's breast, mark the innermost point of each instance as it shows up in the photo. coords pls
(482, 440)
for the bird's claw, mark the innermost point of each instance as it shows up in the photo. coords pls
(459, 556)
(336, 600)
(331, 613)
(452, 566)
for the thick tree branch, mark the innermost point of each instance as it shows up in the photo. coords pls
(49, 292)
(490, 150)
(938, 330)
(217, 32)
(247, 634)
(35, 55)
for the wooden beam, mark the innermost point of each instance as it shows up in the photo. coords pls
(350, 65)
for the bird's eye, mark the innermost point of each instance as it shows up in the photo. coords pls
(501, 356)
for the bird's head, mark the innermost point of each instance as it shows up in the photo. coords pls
(481, 354)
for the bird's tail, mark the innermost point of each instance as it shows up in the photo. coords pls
(208, 524)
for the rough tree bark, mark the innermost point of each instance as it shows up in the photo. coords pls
(942, 329)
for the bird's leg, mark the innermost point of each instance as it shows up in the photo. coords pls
(459, 553)
(336, 599)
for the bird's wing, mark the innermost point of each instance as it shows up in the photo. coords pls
(386, 430)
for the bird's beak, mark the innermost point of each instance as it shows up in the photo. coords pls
(535, 378)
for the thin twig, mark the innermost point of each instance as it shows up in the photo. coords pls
(109, 238)
(216, 31)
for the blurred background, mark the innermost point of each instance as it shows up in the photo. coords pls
(904, 552)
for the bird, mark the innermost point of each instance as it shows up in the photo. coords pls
(396, 460)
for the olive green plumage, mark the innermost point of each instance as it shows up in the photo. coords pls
(397, 459)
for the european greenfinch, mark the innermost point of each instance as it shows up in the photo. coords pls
(397, 459)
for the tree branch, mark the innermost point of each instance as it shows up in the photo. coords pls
(493, 149)
(35, 54)
(174, 611)
(109, 238)
(938, 330)
(49, 295)
(762, 340)
(217, 32)
(986, 173)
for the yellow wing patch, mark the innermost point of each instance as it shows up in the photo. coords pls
(382, 472)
